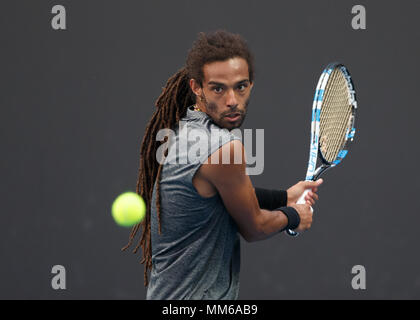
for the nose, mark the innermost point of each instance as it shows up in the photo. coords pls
(231, 99)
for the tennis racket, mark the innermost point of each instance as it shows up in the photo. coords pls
(332, 127)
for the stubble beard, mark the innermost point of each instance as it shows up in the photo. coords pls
(211, 107)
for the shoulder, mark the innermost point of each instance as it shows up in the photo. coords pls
(226, 162)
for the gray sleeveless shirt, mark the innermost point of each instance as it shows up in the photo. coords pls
(197, 255)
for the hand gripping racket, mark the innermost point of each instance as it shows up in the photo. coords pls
(332, 126)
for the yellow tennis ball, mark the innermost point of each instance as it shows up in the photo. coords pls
(128, 209)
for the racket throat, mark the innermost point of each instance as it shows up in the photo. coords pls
(318, 172)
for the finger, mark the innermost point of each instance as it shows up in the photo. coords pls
(312, 195)
(313, 184)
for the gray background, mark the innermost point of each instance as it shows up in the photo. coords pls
(75, 103)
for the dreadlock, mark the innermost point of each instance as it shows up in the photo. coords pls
(172, 106)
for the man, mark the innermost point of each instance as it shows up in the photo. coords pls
(195, 209)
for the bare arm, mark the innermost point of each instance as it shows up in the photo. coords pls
(238, 195)
(271, 223)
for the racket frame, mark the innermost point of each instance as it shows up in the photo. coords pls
(313, 173)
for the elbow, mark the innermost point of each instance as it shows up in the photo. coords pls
(254, 238)
(248, 235)
(257, 233)
(248, 238)
(254, 229)
(251, 239)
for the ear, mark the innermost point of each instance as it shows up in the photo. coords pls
(195, 87)
(251, 85)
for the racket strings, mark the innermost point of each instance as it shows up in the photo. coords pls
(335, 116)
(340, 107)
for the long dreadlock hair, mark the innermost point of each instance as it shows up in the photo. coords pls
(172, 106)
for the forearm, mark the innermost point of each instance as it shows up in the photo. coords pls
(269, 224)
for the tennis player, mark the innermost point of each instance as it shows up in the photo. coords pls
(196, 210)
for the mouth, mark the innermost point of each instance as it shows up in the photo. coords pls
(233, 116)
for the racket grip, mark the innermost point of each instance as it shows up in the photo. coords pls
(301, 200)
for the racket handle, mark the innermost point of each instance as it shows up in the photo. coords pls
(301, 200)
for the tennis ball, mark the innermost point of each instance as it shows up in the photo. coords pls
(128, 209)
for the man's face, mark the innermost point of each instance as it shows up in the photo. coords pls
(225, 93)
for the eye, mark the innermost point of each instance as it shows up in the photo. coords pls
(242, 87)
(217, 89)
